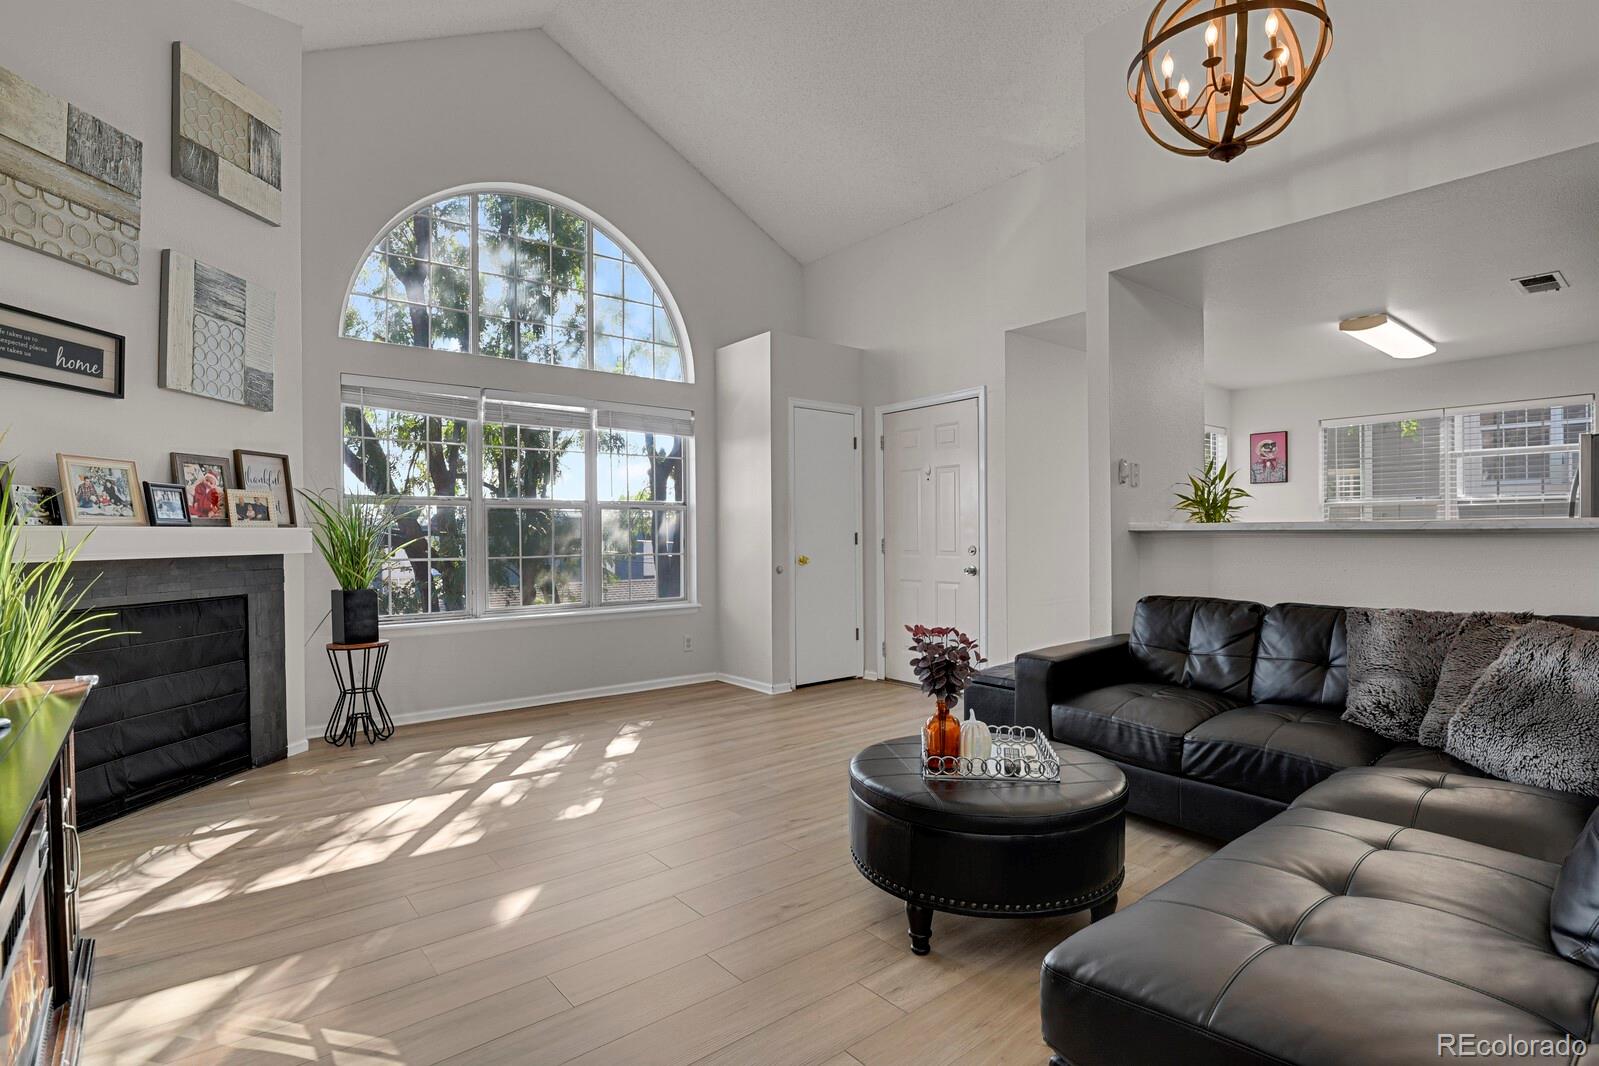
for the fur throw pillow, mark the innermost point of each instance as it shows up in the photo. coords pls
(1533, 717)
(1479, 640)
(1395, 657)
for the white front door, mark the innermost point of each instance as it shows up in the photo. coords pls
(931, 508)
(825, 508)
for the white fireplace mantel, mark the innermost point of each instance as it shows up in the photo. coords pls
(102, 543)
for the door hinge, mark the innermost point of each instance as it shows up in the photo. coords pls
(857, 632)
(880, 439)
(855, 443)
(857, 538)
(885, 649)
(882, 546)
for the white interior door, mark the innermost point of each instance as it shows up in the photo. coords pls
(825, 506)
(931, 523)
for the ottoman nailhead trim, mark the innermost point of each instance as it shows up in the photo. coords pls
(1077, 902)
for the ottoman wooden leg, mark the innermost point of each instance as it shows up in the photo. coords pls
(921, 928)
(1104, 910)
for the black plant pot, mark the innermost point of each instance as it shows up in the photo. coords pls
(355, 616)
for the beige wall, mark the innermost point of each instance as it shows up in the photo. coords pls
(115, 61)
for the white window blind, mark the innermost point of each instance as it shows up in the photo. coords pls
(1485, 461)
(1215, 446)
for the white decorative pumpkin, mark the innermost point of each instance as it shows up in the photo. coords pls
(977, 743)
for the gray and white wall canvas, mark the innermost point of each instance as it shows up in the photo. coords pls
(216, 333)
(227, 138)
(70, 184)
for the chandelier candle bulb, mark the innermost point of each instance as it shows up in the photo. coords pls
(1207, 118)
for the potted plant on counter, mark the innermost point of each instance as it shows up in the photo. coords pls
(352, 536)
(40, 620)
(1211, 497)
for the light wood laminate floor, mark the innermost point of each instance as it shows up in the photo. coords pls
(660, 878)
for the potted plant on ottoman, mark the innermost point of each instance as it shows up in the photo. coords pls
(40, 623)
(944, 662)
(351, 537)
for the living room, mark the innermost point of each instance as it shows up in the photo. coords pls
(492, 520)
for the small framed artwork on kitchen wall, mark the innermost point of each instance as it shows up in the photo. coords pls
(62, 354)
(268, 472)
(1268, 458)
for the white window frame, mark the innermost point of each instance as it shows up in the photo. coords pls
(1222, 446)
(1452, 456)
(594, 220)
(479, 503)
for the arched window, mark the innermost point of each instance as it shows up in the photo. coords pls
(514, 276)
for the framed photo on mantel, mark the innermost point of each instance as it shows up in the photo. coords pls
(53, 351)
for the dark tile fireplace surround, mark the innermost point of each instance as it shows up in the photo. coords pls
(197, 694)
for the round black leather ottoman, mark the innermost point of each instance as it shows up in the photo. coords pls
(996, 849)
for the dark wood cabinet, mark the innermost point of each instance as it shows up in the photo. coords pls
(46, 964)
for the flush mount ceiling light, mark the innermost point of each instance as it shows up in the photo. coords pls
(1212, 121)
(1388, 335)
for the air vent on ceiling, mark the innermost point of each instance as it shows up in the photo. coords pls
(1548, 281)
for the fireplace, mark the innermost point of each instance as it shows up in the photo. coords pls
(194, 692)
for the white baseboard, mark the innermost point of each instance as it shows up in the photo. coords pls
(871, 675)
(753, 685)
(298, 747)
(465, 710)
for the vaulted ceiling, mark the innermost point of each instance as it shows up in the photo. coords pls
(826, 121)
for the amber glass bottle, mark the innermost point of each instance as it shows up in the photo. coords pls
(942, 736)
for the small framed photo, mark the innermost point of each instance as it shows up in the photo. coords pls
(1268, 458)
(268, 472)
(35, 505)
(62, 354)
(247, 508)
(206, 480)
(165, 504)
(100, 492)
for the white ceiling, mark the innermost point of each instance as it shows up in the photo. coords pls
(827, 121)
(1440, 259)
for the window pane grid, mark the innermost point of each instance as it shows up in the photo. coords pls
(510, 277)
(497, 517)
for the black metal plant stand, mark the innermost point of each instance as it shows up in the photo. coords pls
(372, 717)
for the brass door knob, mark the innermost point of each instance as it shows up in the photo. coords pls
(804, 560)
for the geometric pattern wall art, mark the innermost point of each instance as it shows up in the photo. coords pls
(216, 333)
(227, 139)
(69, 183)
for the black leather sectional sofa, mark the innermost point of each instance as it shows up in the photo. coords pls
(1381, 903)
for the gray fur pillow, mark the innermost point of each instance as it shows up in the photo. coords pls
(1533, 717)
(1479, 640)
(1395, 657)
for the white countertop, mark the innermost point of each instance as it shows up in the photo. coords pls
(1472, 525)
(165, 542)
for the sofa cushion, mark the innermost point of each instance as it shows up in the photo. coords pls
(1478, 642)
(1534, 715)
(1574, 909)
(1421, 757)
(1320, 938)
(1536, 822)
(1276, 750)
(1140, 722)
(1001, 676)
(1303, 656)
(1395, 656)
(1199, 643)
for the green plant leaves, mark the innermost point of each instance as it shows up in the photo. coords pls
(1211, 496)
(351, 537)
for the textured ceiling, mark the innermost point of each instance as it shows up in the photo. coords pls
(1440, 259)
(826, 121)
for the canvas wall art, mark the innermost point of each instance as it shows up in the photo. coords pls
(1268, 458)
(217, 333)
(227, 139)
(70, 184)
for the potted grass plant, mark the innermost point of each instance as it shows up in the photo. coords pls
(352, 536)
(1211, 497)
(40, 619)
